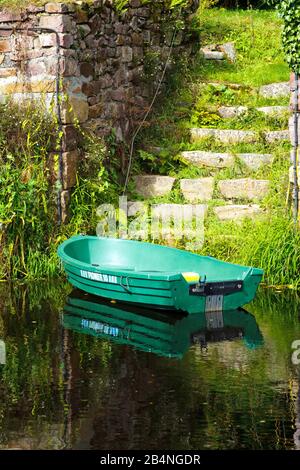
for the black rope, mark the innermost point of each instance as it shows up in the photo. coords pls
(57, 101)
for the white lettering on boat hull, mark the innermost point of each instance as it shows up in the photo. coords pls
(100, 327)
(108, 279)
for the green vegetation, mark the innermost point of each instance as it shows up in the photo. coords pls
(290, 13)
(257, 38)
(196, 93)
(29, 232)
(198, 89)
(25, 136)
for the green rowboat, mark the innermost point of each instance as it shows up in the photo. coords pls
(157, 276)
(157, 331)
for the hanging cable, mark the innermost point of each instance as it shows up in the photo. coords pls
(148, 112)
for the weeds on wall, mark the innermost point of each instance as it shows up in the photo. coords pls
(29, 233)
(26, 200)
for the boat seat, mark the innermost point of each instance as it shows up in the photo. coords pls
(118, 267)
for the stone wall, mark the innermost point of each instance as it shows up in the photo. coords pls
(107, 63)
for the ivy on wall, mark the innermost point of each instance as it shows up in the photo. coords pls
(289, 11)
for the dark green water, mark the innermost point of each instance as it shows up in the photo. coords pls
(88, 380)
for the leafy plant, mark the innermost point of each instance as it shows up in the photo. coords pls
(29, 233)
(289, 11)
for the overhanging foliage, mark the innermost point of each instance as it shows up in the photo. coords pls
(289, 10)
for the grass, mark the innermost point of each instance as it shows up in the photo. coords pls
(29, 232)
(270, 243)
(29, 235)
(256, 35)
(197, 90)
(195, 100)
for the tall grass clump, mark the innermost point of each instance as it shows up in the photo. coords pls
(271, 243)
(29, 229)
(274, 246)
(26, 198)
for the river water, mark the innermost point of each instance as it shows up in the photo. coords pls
(77, 373)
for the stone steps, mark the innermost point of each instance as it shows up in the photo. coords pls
(217, 160)
(240, 196)
(197, 189)
(274, 111)
(231, 136)
(153, 185)
(237, 211)
(244, 188)
(276, 136)
(212, 55)
(231, 112)
(186, 212)
(202, 189)
(219, 52)
(175, 211)
(275, 90)
(226, 136)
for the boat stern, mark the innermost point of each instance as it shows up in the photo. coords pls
(214, 296)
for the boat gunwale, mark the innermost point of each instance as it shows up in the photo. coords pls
(158, 276)
(96, 284)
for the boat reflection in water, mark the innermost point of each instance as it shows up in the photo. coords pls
(163, 333)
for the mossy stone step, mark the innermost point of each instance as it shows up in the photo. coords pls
(227, 136)
(187, 212)
(275, 90)
(244, 188)
(219, 51)
(212, 55)
(225, 160)
(231, 112)
(277, 136)
(237, 211)
(178, 211)
(197, 189)
(153, 185)
(232, 136)
(274, 111)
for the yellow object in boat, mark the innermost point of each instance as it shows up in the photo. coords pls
(191, 277)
